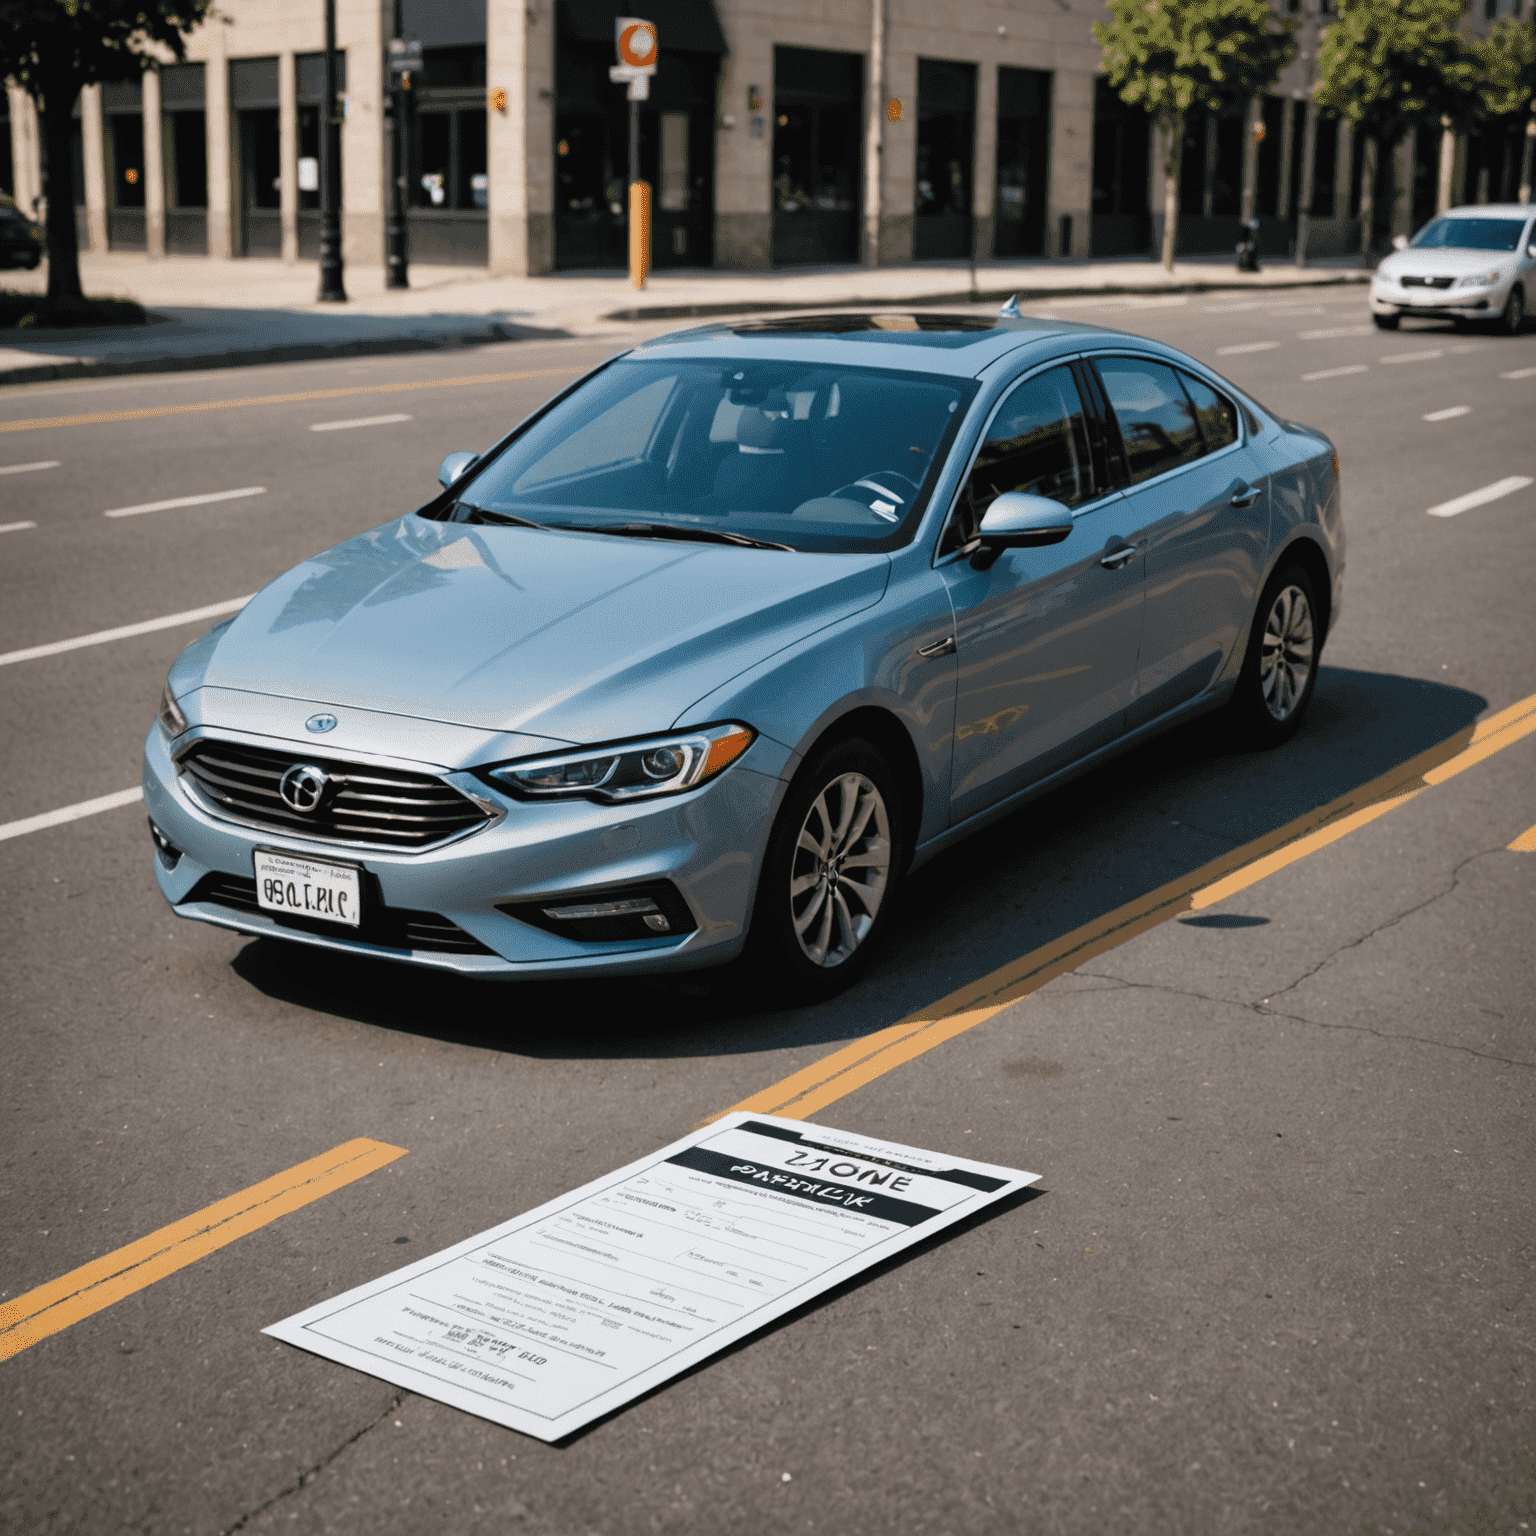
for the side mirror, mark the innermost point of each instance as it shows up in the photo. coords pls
(1017, 520)
(1399, 242)
(454, 466)
(1530, 250)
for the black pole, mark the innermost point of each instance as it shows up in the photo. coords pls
(396, 269)
(331, 289)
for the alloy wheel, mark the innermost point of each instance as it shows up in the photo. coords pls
(840, 869)
(1285, 660)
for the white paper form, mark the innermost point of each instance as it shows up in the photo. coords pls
(563, 1314)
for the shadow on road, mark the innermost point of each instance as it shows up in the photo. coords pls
(1150, 817)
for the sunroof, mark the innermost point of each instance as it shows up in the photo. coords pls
(843, 324)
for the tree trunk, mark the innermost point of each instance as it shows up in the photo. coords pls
(58, 103)
(1171, 168)
(1367, 196)
(1308, 181)
(1525, 158)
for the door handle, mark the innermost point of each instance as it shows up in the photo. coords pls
(1246, 496)
(944, 647)
(1115, 558)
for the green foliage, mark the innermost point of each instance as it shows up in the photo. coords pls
(1170, 57)
(1390, 65)
(1507, 60)
(81, 42)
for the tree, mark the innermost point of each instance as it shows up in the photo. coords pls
(1392, 65)
(1171, 57)
(54, 47)
(1507, 57)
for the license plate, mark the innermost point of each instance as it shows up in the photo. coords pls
(333, 893)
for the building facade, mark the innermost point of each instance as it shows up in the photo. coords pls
(776, 133)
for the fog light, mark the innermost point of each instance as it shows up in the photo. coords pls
(657, 922)
(169, 854)
(590, 909)
(650, 911)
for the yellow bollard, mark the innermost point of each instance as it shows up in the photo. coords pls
(639, 232)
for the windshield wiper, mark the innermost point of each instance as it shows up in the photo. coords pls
(675, 531)
(474, 514)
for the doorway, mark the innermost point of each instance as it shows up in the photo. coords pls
(1023, 161)
(946, 151)
(818, 106)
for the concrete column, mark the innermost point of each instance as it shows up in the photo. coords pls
(874, 136)
(1250, 197)
(1402, 177)
(1287, 151)
(26, 158)
(1157, 162)
(899, 190)
(1069, 191)
(1459, 171)
(288, 154)
(520, 73)
(95, 167)
(223, 171)
(361, 28)
(984, 160)
(154, 168)
(1447, 167)
(744, 149)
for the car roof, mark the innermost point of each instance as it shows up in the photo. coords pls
(950, 344)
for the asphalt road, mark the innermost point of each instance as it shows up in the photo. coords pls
(1278, 1273)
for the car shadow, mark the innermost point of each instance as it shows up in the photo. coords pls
(1154, 815)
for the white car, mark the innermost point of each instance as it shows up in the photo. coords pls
(1476, 263)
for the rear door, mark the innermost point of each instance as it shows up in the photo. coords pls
(1200, 509)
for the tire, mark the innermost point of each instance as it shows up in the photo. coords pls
(832, 866)
(1387, 322)
(1512, 317)
(1279, 672)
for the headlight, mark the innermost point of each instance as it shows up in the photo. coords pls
(1481, 279)
(172, 721)
(628, 770)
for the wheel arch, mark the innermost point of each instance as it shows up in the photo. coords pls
(885, 731)
(1305, 551)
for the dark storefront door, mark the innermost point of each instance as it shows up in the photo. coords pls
(1023, 160)
(309, 94)
(946, 148)
(1122, 221)
(254, 97)
(184, 145)
(818, 107)
(123, 120)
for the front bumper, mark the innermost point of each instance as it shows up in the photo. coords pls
(708, 844)
(1463, 303)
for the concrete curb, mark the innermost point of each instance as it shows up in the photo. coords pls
(965, 296)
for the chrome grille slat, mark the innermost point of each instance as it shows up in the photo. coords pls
(380, 806)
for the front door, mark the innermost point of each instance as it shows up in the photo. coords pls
(1047, 638)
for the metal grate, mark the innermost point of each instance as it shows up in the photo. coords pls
(1427, 282)
(361, 804)
(386, 927)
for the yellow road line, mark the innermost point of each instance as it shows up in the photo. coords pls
(1525, 843)
(839, 1074)
(92, 418)
(96, 1285)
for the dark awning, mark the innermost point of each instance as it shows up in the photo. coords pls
(690, 26)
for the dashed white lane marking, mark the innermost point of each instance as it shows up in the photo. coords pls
(22, 469)
(1519, 373)
(1448, 413)
(126, 631)
(1336, 330)
(1412, 357)
(1229, 309)
(187, 501)
(1480, 498)
(15, 527)
(1336, 373)
(1247, 346)
(70, 813)
(362, 421)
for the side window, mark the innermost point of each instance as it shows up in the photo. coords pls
(1157, 421)
(1038, 442)
(1216, 414)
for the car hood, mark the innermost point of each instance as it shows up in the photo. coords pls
(1443, 261)
(574, 636)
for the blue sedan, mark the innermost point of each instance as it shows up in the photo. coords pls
(710, 652)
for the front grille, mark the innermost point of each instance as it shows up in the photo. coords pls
(387, 927)
(363, 804)
(1427, 282)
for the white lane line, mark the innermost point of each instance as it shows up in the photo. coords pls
(1412, 357)
(362, 421)
(21, 469)
(70, 813)
(126, 631)
(1449, 412)
(15, 527)
(1519, 373)
(187, 501)
(1337, 330)
(1247, 346)
(1480, 498)
(1228, 309)
(1336, 373)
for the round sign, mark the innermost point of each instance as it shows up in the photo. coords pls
(637, 44)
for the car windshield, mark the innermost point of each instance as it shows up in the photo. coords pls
(1471, 234)
(809, 457)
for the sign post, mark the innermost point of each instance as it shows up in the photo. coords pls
(636, 45)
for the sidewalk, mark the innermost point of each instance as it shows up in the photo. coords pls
(212, 313)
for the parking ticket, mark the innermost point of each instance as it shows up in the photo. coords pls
(567, 1312)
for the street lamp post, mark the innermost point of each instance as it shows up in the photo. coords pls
(397, 271)
(331, 289)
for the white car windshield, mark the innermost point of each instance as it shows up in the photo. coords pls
(806, 457)
(1470, 234)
